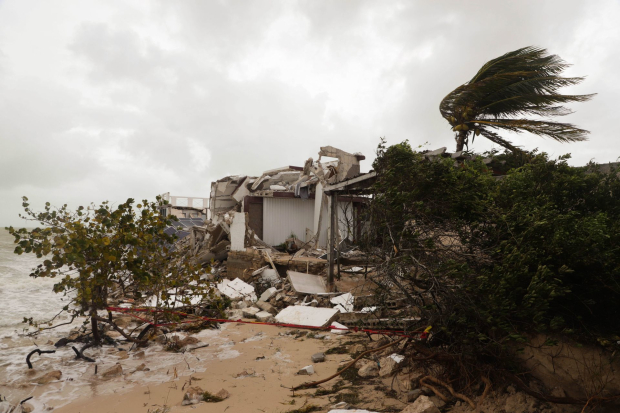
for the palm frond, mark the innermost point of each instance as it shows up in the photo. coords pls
(521, 83)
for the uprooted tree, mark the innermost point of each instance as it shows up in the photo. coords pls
(490, 261)
(98, 250)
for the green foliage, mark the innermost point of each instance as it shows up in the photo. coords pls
(488, 260)
(506, 90)
(94, 250)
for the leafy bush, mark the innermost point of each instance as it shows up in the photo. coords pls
(486, 259)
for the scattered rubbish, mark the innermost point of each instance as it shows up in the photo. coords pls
(307, 316)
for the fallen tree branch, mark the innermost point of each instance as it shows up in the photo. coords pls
(39, 351)
(120, 330)
(316, 383)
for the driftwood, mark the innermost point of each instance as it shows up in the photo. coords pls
(39, 351)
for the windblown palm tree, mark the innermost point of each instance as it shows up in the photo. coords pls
(507, 90)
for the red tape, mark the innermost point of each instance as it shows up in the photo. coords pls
(399, 333)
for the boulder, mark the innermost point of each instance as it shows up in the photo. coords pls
(48, 377)
(264, 316)
(318, 357)
(369, 370)
(114, 371)
(422, 405)
(362, 362)
(222, 394)
(250, 312)
(413, 395)
(390, 364)
(142, 367)
(193, 395)
(306, 371)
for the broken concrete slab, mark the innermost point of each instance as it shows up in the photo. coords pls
(268, 293)
(307, 283)
(338, 328)
(250, 312)
(237, 231)
(390, 364)
(264, 316)
(271, 276)
(237, 290)
(343, 302)
(266, 307)
(307, 371)
(307, 316)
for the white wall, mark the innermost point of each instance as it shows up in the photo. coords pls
(281, 216)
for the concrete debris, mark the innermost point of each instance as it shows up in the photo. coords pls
(266, 307)
(423, 404)
(5, 407)
(307, 316)
(307, 283)
(306, 371)
(237, 290)
(344, 302)
(268, 293)
(114, 371)
(234, 314)
(318, 357)
(264, 316)
(341, 405)
(338, 328)
(250, 312)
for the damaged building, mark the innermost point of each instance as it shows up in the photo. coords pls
(283, 216)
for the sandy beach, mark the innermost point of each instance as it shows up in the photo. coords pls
(256, 364)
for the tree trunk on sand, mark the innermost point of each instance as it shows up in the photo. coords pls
(94, 327)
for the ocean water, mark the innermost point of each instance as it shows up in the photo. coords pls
(23, 296)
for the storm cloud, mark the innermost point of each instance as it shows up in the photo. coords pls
(116, 99)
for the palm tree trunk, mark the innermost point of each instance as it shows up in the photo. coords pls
(460, 140)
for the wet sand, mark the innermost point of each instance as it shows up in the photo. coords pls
(270, 362)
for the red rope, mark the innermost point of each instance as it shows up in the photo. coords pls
(399, 333)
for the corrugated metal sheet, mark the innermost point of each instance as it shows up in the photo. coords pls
(283, 216)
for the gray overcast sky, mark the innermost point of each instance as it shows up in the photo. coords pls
(105, 100)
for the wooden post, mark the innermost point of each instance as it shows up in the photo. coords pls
(333, 214)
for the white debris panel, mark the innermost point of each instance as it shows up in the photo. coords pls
(307, 316)
(307, 283)
(237, 290)
(344, 302)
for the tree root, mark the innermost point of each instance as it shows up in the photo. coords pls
(487, 389)
(79, 354)
(450, 389)
(39, 352)
(316, 383)
(120, 330)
